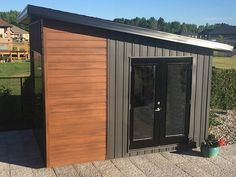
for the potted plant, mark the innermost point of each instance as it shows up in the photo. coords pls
(210, 147)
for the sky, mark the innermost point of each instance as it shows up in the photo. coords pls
(198, 12)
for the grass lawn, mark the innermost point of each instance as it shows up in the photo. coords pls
(14, 69)
(18, 69)
(224, 62)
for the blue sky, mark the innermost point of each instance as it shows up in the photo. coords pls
(190, 11)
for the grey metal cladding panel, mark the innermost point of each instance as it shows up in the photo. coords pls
(127, 54)
(143, 50)
(119, 98)
(165, 52)
(159, 51)
(208, 95)
(136, 50)
(198, 100)
(151, 51)
(111, 100)
(181, 51)
(204, 96)
(193, 95)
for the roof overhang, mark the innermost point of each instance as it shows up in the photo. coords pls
(34, 12)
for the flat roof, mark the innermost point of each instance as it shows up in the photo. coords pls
(42, 12)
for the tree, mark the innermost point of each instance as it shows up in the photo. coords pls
(160, 23)
(11, 17)
(220, 38)
(153, 23)
(183, 28)
(175, 27)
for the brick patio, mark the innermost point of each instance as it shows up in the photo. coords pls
(19, 156)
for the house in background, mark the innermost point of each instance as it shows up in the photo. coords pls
(5, 31)
(224, 33)
(19, 34)
(188, 34)
(14, 42)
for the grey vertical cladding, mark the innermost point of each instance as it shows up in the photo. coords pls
(111, 101)
(127, 54)
(193, 96)
(119, 52)
(208, 94)
(204, 96)
(119, 98)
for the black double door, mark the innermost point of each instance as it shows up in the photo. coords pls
(160, 101)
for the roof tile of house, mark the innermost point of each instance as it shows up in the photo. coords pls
(4, 23)
(17, 30)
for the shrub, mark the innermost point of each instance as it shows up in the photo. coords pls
(213, 119)
(5, 91)
(223, 89)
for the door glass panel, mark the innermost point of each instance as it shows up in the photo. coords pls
(176, 99)
(143, 102)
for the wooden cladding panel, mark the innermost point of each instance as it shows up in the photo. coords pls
(76, 97)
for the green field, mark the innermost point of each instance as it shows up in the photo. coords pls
(15, 69)
(224, 62)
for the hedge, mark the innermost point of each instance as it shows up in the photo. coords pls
(223, 89)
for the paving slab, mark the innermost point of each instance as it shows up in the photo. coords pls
(87, 170)
(173, 157)
(44, 172)
(169, 168)
(127, 167)
(20, 171)
(66, 171)
(228, 167)
(204, 164)
(108, 169)
(4, 169)
(148, 168)
(192, 169)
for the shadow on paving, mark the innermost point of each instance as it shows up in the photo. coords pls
(190, 152)
(20, 148)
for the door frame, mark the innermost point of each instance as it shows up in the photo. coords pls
(159, 137)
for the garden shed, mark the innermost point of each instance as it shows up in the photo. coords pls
(106, 90)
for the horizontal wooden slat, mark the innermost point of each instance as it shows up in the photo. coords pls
(78, 109)
(100, 112)
(61, 35)
(77, 101)
(92, 148)
(76, 51)
(72, 80)
(78, 73)
(78, 44)
(77, 66)
(68, 94)
(77, 87)
(77, 131)
(78, 58)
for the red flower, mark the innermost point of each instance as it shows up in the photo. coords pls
(221, 141)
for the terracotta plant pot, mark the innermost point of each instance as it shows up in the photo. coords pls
(209, 151)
